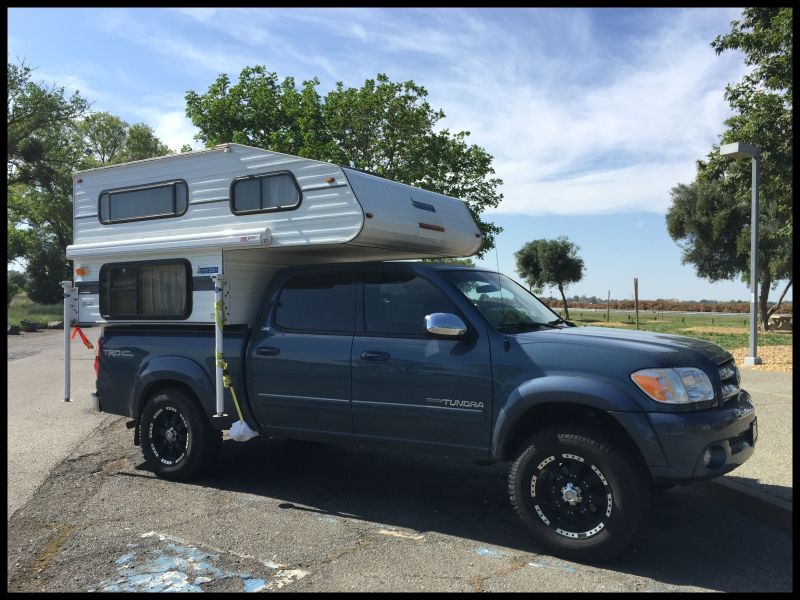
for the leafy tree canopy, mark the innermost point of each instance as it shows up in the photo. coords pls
(550, 263)
(710, 218)
(50, 137)
(384, 127)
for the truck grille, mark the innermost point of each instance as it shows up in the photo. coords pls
(729, 378)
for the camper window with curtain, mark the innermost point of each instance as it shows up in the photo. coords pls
(146, 290)
(261, 193)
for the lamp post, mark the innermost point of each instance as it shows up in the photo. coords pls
(738, 151)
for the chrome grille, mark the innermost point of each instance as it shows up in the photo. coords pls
(729, 378)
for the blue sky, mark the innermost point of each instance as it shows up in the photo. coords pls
(592, 115)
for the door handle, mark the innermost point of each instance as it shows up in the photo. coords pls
(373, 355)
(268, 351)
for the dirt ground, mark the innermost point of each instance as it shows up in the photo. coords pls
(776, 358)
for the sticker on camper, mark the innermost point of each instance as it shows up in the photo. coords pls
(423, 205)
(248, 238)
(207, 270)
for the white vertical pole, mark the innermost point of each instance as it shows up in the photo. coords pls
(67, 285)
(752, 358)
(219, 317)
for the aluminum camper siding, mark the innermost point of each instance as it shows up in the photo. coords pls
(202, 293)
(328, 212)
(405, 217)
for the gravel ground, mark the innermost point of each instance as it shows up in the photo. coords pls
(776, 358)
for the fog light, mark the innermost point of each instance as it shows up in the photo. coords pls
(714, 457)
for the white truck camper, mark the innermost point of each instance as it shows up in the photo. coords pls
(168, 239)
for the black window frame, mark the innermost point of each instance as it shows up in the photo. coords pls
(350, 323)
(148, 263)
(261, 177)
(135, 188)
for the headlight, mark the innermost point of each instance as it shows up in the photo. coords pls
(675, 386)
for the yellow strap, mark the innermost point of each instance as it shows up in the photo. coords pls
(219, 317)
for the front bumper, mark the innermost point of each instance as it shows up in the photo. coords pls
(728, 432)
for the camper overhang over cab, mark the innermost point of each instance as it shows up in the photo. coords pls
(150, 235)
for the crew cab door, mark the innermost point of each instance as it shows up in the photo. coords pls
(411, 388)
(299, 359)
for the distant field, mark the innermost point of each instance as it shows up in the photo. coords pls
(22, 307)
(728, 331)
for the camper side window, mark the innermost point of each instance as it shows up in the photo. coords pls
(145, 290)
(262, 193)
(169, 199)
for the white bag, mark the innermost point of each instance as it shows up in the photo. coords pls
(241, 432)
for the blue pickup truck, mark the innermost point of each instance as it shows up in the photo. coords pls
(453, 361)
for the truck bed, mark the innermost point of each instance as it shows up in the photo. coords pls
(134, 359)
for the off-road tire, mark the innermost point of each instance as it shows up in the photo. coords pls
(612, 523)
(195, 443)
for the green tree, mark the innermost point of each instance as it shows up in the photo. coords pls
(50, 137)
(384, 127)
(36, 112)
(550, 263)
(141, 142)
(710, 218)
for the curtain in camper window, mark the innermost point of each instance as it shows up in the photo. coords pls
(145, 290)
(278, 191)
(268, 192)
(162, 290)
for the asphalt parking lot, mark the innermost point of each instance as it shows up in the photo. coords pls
(289, 516)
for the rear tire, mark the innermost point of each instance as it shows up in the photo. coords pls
(577, 494)
(177, 439)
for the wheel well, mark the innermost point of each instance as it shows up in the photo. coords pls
(544, 415)
(158, 386)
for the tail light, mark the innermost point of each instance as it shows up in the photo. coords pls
(97, 357)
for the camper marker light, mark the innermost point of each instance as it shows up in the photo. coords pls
(675, 386)
(82, 271)
(329, 180)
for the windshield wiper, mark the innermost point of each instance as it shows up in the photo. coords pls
(525, 325)
(560, 320)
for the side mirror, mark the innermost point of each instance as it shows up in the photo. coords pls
(445, 324)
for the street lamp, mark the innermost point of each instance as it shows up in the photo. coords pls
(738, 151)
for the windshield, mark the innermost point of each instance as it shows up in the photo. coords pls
(506, 304)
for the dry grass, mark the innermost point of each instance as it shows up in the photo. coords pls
(776, 358)
(609, 324)
(709, 329)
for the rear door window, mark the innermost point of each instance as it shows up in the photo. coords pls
(316, 304)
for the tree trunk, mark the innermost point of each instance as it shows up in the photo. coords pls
(763, 308)
(564, 298)
(780, 300)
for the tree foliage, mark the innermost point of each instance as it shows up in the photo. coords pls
(710, 218)
(384, 127)
(550, 263)
(50, 137)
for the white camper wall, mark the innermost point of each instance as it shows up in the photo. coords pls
(327, 214)
(202, 300)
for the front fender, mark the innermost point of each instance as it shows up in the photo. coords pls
(604, 396)
(172, 368)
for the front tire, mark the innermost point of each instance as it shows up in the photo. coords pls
(578, 495)
(177, 440)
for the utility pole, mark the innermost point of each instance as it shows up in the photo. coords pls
(608, 306)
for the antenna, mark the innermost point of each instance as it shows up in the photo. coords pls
(500, 287)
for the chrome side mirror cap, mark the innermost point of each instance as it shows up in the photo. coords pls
(445, 324)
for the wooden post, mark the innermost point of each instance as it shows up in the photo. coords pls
(608, 307)
(636, 299)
